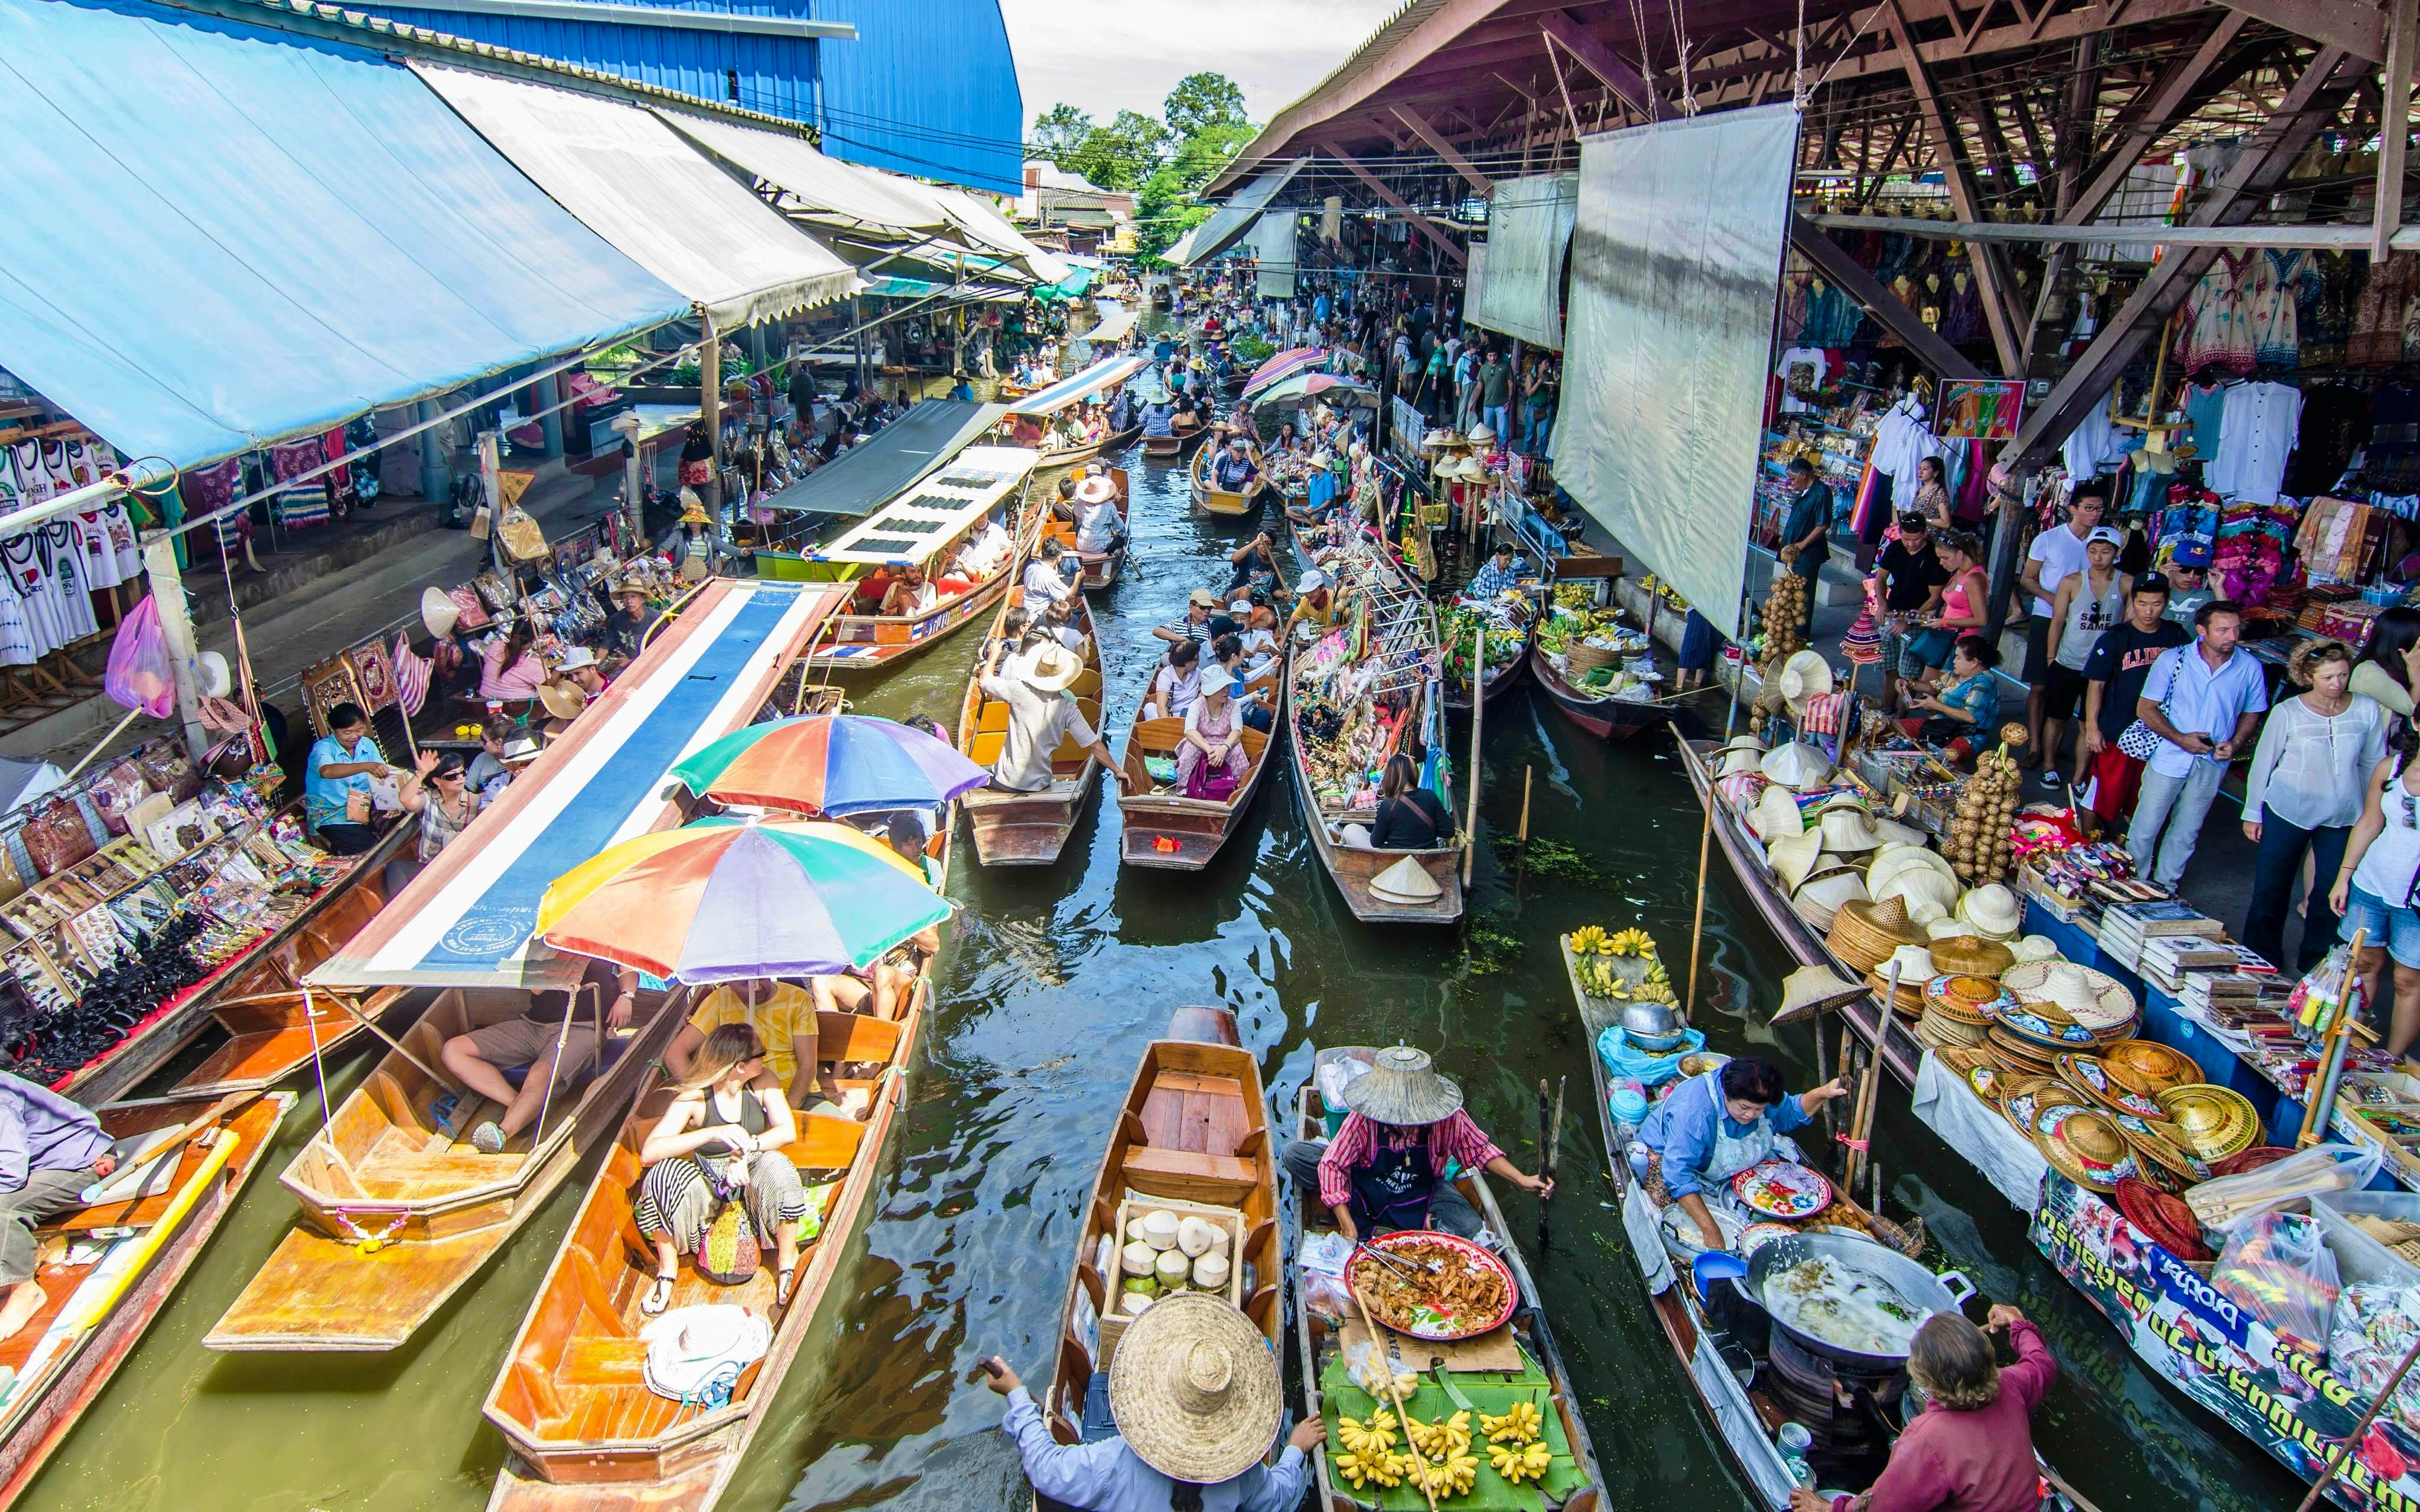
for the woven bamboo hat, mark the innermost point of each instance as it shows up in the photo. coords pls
(1926, 892)
(2095, 999)
(1971, 954)
(1776, 816)
(1195, 1389)
(1796, 765)
(2210, 1121)
(438, 612)
(1810, 990)
(562, 700)
(1401, 1088)
(1406, 882)
(1891, 860)
(1865, 934)
(2033, 947)
(2084, 1145)
(1849, 828)
(1793, 857)
(1894, 833)
(1744, 743)
(1740, 763)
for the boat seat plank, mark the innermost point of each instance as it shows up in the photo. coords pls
(855, 1037)
(824, 1143)
(257, 1060)
(1184, 1174)
(1201, 1119)
(594, 1359)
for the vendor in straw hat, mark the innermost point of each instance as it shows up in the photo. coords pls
(1972, 1448)
(1032, 680)
(1386, 1167)
(1194, 1389)
(1714, 1126)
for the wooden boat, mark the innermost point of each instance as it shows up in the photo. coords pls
(1211, 500)
(399, 1210)
(1166, 830)
(582, 1427)
(1901, 1052)
(1100, 567)
(1028, 828)
(1194, 1129)
(923, 526)
(1318, 1338)
(1498, 681)
(101, 1303)
(1174, 446)
(256, 1001)
(1607, 719)
(1110, 444)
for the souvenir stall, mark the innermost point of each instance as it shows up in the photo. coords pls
(60, 590)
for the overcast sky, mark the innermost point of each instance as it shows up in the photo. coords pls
(1107, 56)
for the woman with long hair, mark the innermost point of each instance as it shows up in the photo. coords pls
(510, 669)
(2374, 887)
(2390, 667)
(2304, 795)
(721, 1141)
(1409, 816)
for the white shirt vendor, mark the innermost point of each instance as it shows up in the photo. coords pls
(1037, 722)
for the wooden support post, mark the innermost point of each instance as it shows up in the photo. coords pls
(709, 395)
(2395, 127)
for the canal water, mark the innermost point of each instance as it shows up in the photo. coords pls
(1053, 984)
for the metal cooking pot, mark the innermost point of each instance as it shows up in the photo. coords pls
(1649, 1019)
(1919, 1287)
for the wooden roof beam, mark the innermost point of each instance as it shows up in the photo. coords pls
(2358, 29)
(1420, 222)
(2154, 113)
(1991, 274)
(1833, 261)
(1437, 144)
(1624, 81)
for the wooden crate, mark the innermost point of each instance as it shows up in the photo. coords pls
(1113, 1322)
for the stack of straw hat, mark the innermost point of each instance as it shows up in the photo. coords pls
(1958, 1009)
(1864, 934)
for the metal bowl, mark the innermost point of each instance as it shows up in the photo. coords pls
(1916, 1285)
(1648, 1019)
(1656, 1045)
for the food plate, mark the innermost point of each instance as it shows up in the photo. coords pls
(1477, 1293)
(1782, 1189)
(1756, 1236)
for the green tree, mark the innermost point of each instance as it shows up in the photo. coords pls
(1121, 155)
(1059, 133)
(1202, 100)
(1202, 155)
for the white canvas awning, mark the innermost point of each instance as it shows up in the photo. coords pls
(977, 218)
(651, 193)
(823, 188)
(1236, 219)
(1528, 230)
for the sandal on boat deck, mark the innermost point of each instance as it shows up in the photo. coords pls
(783, 1279)
(659, 1296)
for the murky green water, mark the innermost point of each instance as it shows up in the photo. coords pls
(1055, 981)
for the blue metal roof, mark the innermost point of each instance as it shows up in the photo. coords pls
(889, 99)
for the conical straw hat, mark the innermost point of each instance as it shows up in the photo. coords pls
(1402, 1088)
(1796, 765)
(1776, 816)
(1803, 676)
(1194, 1388)
(1406, 882)
(1810, 990)
(1849, 829)
(1819, 899)
(1793, 857)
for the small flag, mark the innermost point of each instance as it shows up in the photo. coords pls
(410, 677)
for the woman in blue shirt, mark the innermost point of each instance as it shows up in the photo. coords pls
(341, 764)
(1711, 1128)
(1964, 713)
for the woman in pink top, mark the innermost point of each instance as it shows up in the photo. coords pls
(1973, 1448)
(512, 669)
(1927, 651)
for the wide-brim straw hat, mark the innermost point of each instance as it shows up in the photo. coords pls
(1195, 1389)
(1993, 910)
(1927, 893)
(2094, 999)
(1865, 934)
(438, 612)
(2084, 1145)
(1095, 491)
(2212, 1121)
(1744, 743)
(1052, 667)
(1894, 833)
(2148, 1067)
(1830, 886)
(1740, 763)
(1793, 857)
(562, 700)
(1892, 860)
(1401, 1088)
(1803, 676)
(1776, 816)
(1796, 765)
(1406, 882)
(1970, 953)
(1847, 830)
(1810, 990)
(1916, 968)
(2090, 1074)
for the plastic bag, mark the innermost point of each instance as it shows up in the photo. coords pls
(1614, 1049)
(2375, 1323)
(2277, 1266)
(140, 675)
(2229, 1201)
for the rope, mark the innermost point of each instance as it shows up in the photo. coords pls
(1681, 46)
(1798, 62)
(310, 1024)
(1647, 64)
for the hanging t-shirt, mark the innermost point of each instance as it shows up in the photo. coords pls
(1800, 371)
(2204, 412)
(2092, 446)
(2255, 437)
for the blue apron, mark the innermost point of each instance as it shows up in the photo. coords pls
(1393, 1190)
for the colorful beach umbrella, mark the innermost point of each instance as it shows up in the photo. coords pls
(829, 764)
(1293, 360)
(726, 899)
(1304, 385)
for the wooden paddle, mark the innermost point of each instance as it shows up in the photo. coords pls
(1385, 1366)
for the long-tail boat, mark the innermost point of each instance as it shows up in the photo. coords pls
(1100, 567)
(1028, 829)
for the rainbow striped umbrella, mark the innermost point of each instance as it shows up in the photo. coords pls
(726, 899)
(1293, 360)
(829, 764)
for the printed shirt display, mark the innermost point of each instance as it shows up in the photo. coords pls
(2216, 332)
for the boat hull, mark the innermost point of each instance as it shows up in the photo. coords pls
(1607, 719)
(1028, 828)
(1114, 442)
(1501, 683)
(868, 643)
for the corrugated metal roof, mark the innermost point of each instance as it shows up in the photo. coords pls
(890, 99)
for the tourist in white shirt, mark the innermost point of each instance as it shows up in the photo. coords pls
(1034, 683)
(1045, 584)
(988, 550)
(2374, 889)
(2202, 700)
(2055, 554)
(2303, 795)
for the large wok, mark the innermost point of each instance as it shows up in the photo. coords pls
(1916, 1285)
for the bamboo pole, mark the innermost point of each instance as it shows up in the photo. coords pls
(1705, 846)
(1477, 718)
(1527, 773)
(1387, 1369)
(2323, 1090)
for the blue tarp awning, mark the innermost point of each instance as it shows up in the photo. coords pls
(227, 235)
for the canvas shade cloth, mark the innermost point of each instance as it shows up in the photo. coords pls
(986, 225)
(1237, 217)
(821, 188)
(881, 469)
(649, 192)
(1528, 226)
(1681, 234)
(1274, 250)
(1180, 252)
(229, 235)
(467, 920)
(1084, 385)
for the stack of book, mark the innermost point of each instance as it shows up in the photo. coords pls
(2208, 991)
(2126, 926)
(2169, 960)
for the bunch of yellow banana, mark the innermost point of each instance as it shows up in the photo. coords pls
(1656, 975)
(1588, 939)
(1451, 1476)
(1517, 1425)
(1442, 1438)
(1374, 1436)
(1375, 1467)
(1525, 1462)
(1631, 942)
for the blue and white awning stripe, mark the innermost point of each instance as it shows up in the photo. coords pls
(1084, 385)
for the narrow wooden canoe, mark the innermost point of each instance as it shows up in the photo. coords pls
(387, 1168)
(1100, 567)
(1176, 445)
(585, 1431)
(876, 642)
(1116, 440)
(1317, 1339)
(1224, 502)
(1498, 681)
(256, 1002)
(1165, 830)
(1901, 1052)
(1352, 868)
(1028, 829)
(99, 1306)
(1607, 719)
(1194, 1128)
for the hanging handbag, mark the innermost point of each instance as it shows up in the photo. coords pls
(523, 541)
(2139, 740)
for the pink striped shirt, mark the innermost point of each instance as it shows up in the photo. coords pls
(1452, 1138)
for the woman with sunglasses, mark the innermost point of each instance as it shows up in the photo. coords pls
(720, 1140)
(438, 788)
(2374, 887)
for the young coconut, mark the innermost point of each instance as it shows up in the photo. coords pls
(1138, 1258)
(1210, 1273)
(1193, 1236)
(1159, 1230)
(1172, 1269)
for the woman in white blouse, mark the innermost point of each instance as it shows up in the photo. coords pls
(2304, 795)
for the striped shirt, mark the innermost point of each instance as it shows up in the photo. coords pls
(1453, 1138)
